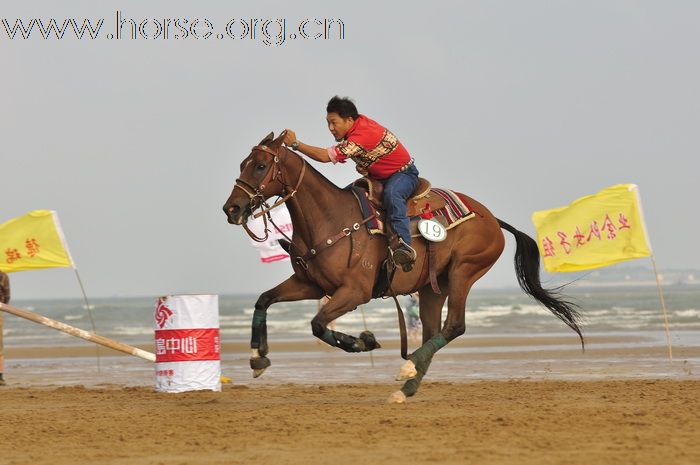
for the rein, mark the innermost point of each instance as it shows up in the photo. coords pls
(274, 173)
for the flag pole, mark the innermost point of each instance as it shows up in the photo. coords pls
(656, 275)
(85, 299)
(663, 307)
(89, 312)
(62, 236)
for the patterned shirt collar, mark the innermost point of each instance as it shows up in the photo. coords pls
(354, 126)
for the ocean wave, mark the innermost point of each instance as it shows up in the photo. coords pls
(131, 320)
(133, 330)
(273, 310)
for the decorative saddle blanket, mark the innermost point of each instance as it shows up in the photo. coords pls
(443, 205)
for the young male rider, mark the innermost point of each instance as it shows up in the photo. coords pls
(379, 155)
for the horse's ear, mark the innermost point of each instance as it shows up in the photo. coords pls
(277, 142)
(268, 138)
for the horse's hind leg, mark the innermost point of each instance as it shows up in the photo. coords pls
(431, 311)
(289, 290)
(461, 278)
(430, 317)
(343, 300)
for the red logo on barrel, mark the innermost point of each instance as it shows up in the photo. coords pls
(162, 313)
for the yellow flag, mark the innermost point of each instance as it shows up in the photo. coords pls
(32, 242)
(593, 231)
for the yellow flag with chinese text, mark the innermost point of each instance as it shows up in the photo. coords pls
(593, 231)
(32, 242)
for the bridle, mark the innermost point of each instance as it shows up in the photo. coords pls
(256, 196)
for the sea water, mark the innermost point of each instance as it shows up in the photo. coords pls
(632, 316)
(489, 312)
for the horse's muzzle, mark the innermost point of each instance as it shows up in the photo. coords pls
(235, 214)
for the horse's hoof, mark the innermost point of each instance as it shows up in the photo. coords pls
(370, 343)
(407, 371)
(396, 398)
(258, 363)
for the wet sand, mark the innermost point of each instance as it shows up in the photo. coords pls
(510, 400)
(490, 422)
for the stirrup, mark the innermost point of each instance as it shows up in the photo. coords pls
(404, 255)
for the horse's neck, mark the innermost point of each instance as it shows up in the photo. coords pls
(314, 209)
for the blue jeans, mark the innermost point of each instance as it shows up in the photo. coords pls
(397, 190)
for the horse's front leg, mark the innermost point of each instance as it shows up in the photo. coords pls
(343, 300)
(289, 290)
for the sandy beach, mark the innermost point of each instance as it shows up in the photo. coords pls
(492, 422)
(508, 400)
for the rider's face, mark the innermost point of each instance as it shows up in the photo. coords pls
(339, 126)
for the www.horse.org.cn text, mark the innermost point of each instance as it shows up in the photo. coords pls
(271, 32)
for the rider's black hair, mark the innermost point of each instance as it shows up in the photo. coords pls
(344, 107)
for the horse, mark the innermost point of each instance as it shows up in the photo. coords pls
(333, 255)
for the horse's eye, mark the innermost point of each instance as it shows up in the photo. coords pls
(260, 167)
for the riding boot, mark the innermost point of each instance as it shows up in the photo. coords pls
(403, 254)
(2, 380)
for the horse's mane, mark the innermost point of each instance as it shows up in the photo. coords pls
(310, 167)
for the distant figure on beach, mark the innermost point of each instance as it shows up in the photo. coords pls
(379, 155)
(413, 317)
(4, 298)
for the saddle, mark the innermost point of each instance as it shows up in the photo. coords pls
(421, 201)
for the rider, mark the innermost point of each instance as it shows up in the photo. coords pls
(379, 155)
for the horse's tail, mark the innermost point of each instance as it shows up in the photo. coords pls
(527, 268)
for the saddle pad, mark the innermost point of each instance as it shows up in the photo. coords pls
(453, 213)
(455, 210)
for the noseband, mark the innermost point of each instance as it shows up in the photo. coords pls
(274, 173)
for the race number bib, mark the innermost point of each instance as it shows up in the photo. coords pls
(432, 230)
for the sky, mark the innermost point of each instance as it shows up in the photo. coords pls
(523, 105)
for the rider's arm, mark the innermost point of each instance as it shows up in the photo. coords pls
(317, 153)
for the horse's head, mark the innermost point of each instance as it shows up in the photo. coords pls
(261, 178)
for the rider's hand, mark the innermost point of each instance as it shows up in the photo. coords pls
(289, 137)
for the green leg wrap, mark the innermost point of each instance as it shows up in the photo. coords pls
(410, 387)
(344, 341)
(258, 333)
(329, 338)
(422, 358)
(259, 317)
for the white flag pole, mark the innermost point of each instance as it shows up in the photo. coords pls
(656, 275)
(80, 282)
(663, 307)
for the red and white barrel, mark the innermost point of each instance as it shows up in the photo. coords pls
(188, 347)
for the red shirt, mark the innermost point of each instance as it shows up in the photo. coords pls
(375, 149)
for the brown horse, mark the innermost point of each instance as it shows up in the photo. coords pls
(332, 255)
